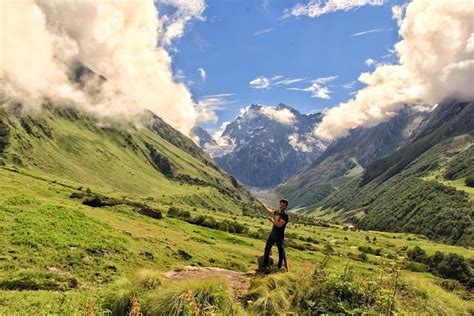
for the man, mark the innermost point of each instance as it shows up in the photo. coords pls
(277, 235)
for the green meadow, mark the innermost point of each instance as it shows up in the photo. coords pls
(59, 256)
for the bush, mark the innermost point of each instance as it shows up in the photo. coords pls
(363, 256)
(450, 285)
(470, 181)
(451, 266)
(335, 293)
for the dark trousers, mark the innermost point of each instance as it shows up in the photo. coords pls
(272, 239)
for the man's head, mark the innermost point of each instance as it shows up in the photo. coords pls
(283, 204)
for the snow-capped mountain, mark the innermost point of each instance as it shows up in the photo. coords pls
(266, 145)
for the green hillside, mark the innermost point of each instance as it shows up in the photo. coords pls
(422, 187)
(116, 159)
(347, 158)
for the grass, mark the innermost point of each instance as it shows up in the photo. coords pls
(46, 236)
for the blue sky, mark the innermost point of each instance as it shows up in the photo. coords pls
(240, 41)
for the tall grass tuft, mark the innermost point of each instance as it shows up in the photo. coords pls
(190, 298)
(271, 295)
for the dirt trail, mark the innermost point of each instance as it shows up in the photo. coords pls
(239, 282)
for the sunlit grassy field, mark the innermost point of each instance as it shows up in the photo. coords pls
(59, 256)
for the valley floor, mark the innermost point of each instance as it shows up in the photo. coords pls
(58, 256)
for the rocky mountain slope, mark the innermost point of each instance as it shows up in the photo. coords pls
(266, 145)
(347, 158)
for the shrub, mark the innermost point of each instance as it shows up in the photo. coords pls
(450, 285)
(451, 266)
(417, 254)
(335, 293)
(363, 256)
(470, 181)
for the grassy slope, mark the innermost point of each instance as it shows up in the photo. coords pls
(440, 208)
(113, 160)
(345, 159)
(45, 234)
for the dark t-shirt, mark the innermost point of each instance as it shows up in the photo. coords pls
(279, 232)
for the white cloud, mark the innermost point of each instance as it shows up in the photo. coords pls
(370, 31)
(263, 31)
(115, 39)
(306, 143)
(283, 116)
(288, 81)
(349, 85)
(224, 145)
(207, 105)
(316, 8)
(298, 146)
(202, 73)
(260, 83)
(397, 13)
(317, 88)
(263, 82)
(370, 62)
(175, 24)
(427, 71)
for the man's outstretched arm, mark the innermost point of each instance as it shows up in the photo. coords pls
(269, 210)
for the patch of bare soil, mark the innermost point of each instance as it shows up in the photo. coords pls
(239, 282)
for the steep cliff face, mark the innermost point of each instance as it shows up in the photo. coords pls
(269, 144)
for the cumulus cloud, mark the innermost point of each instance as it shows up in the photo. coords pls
(317, 88)
(397, 13)
(175, 23)
(117, 40)
(283, 116)
(369, 62)
(202, 73)
(429, 69)
(316, 8)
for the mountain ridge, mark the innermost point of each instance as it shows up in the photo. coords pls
(266, 145)
(346, 158)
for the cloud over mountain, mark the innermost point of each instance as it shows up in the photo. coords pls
(436, 60)
(43, 40)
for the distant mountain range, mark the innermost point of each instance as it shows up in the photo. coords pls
(265, 145)
(347, 158)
